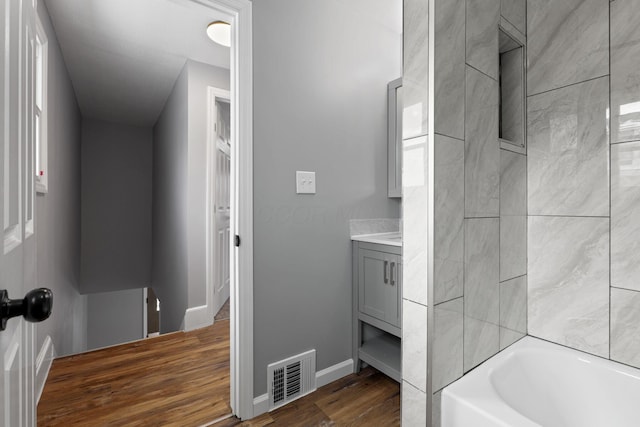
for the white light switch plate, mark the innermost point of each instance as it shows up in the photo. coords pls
(305, 182)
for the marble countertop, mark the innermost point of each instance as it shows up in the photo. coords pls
(392, 239)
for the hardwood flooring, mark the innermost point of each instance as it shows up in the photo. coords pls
(177, 379)
(365, 399)
(182, 379)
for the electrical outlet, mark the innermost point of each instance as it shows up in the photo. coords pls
(305, 182)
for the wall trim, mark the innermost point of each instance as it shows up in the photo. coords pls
(334, 373)
(197, 317)
(323, 377)
(43, 365)
(241, 90)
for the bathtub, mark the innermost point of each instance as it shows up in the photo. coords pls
(536, 383)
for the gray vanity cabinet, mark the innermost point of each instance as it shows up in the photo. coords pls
(377, 307)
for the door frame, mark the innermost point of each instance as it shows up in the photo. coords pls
(241, 67)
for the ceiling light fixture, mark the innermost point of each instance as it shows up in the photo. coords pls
(220, 32)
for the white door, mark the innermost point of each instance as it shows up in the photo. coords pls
(17, 248)
(220, 141)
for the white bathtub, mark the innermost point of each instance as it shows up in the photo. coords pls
(536, 383)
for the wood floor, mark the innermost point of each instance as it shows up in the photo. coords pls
(182, 379)
(366, 399)
(177, 379)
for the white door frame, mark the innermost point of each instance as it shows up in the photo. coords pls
(241, 202)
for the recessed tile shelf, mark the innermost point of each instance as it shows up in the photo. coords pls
(511, 77)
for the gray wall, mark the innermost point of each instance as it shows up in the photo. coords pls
(319, 105)
(114, 318)
(169, 268)
(58, 212)
(584, 197)
(116, 206)
(179, 194)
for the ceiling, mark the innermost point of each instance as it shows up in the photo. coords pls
(123, 56)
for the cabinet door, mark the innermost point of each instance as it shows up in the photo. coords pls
(373, 282)
(379, 285)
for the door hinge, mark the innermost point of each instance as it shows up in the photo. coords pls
(237, 240)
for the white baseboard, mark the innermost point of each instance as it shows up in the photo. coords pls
(197, 317)
(334, 373)
(43, 364)
(261, 405)
(323, 377)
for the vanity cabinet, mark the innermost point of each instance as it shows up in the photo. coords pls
(377, 307)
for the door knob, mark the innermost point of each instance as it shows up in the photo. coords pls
(34, 307)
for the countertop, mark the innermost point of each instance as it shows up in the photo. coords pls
(392, 239)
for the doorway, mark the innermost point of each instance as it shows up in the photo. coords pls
(238, 211)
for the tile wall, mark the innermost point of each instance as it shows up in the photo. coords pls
(415, 194)
(584, 175)
(480, 196)
(547, 242)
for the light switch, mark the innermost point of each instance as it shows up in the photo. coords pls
(305, 182)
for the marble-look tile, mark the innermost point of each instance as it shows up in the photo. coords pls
(481, 290)
(568, 42)
(625, 73)
(515, 11)
(513, 247)
(568, 282)
(481, 341)
(436, 409)
(625, 326)
(415, 79)
(372, 226)
(449, 67)
(568, 168)
(482, 150)
(414, 224)
(625, 212)
(481, 265)
(483, 17)
(449, 218)
(513, 183)
(513, 304)
(414, 344)
(447, 343)
(414, 406)
(508, 337)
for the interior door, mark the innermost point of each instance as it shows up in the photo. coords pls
(222, 206)
(17, 196)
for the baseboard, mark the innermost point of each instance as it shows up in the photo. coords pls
(43, 365)
(197, 317)
(323, 377)
(261, 405)
(334, 373)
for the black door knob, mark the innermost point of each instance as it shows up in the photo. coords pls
(34, 307)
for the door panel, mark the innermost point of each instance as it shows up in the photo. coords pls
(17, 254)
(220, 140)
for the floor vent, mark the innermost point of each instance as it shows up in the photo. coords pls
(291, 378)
